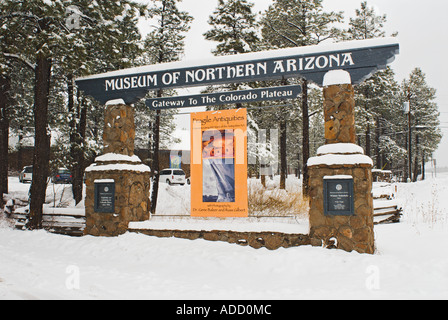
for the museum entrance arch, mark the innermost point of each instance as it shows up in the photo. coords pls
(336, 67)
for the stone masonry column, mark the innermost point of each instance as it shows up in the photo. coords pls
(119, 130)
(118, 183)
(341, 218)
(339, 113)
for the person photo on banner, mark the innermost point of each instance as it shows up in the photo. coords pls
(218, 155)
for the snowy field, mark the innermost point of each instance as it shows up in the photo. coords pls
(411, 263)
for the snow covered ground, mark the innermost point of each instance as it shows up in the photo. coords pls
(175, 200)
(411, 263)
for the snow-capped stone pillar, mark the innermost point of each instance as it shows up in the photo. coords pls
(118, 183)
(119, 129)
(341, 201)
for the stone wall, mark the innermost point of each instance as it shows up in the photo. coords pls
(257, 240)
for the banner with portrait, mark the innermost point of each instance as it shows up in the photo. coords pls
(219, 164)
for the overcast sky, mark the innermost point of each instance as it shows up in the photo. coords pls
(422, 37)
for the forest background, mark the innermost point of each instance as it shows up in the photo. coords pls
(45, 45)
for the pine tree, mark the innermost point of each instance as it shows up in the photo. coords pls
(105, 24)
(234, 27)
(376, 106)
(165, 43)
(425, 125)
(374, 96)
(5, 87)
(46, 44)
(366, 25)
(297, 23)
(5, 108)
(37, 41)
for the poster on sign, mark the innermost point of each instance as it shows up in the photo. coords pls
(219, 164)
(175, 162)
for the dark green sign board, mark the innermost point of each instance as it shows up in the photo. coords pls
(222, 98)
(360, 58)
(104, 197)
(339, 197)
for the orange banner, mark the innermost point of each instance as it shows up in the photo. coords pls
(219, 164)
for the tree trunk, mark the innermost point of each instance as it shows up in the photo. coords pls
(305, 139)
(155, 160)
(20, 149)
(423, 167)
(416, 161)
(368, 144)
(78, 178)
(283, 146)
(78, 157)
(71, 113)
(416, 167)
(77, 139)
(41, 155)
(283, 155)
(406, 166)
(263, 180)
(5, 86)
(150, 144)
(72, 135)
(378, 158)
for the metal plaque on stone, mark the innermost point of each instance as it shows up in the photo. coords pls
(339, 196)
(105, 196)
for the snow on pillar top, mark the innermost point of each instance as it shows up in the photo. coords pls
(115, 102)
(340, 154)
(336, 77)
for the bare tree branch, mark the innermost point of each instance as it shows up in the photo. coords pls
(281, 35)
(21, 59)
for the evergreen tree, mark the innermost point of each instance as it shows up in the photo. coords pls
(104, 24)
(366, 24)
(234, 27)
(5, 87)
(297, 23)
(376, 108)
(21, 120)
(165, 43)
(5, 109)
(57, 53)
(40, 38)
(375, 96)
(425, 122)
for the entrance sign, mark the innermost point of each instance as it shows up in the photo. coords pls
(360, 58)
(215, 99)
(339, 196)
(219, 164)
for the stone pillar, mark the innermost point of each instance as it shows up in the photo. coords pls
(119, 130)
(120, 167)
(340, 158)
(339, 113)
